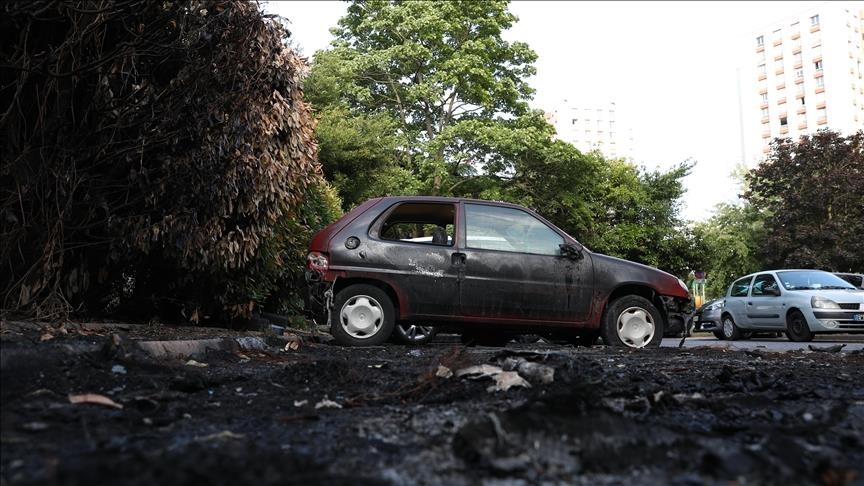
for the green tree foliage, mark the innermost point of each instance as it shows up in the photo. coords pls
(733, 242)
(160, 151)
(809, 195)
(439, 72)
(636, 216)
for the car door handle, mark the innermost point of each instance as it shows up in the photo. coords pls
(458, 258)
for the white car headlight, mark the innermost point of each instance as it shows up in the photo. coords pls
(715, 305)
(822, 303)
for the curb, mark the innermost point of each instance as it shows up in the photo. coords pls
(188, 348)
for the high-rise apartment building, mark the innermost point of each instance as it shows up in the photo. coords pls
(803, 74)
(591, 126)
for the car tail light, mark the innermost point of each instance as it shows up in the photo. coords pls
(317, 261)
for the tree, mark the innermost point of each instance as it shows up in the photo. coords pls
(439, 71)
(733, 239)
(809, 196)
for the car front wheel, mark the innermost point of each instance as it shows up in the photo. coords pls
(632, 321)
(362, 316)
(730, 329)
(796, 327)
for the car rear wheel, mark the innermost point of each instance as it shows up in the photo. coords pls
(632, 321)
(796, 327)
(413, 333)
(362, 316)
(729, 329)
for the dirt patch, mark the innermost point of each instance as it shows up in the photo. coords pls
(394, 415)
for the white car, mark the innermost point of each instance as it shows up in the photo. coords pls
(799, 302)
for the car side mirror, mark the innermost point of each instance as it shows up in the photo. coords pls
(573, 251)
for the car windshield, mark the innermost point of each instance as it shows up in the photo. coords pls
(812, 280)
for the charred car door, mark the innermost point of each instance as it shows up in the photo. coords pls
(515, 269)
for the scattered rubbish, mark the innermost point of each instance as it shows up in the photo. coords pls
(533, 372)
(376, 366)
(416, 353)
(224, 435)
(827, 349)
(300, 403)
(118, 369)
(196, 364)
(478, 371)
(327, 403)
(34, 426)
(443, 372)
(94, 399)
(292, 345)
(506, 380)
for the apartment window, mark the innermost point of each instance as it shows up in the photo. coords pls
(821, 113)
(797, 58)
(762, 69)
(799, 88)
(799, 73)
(760, 41)
(783, 121)
(814, 20)
(820, 82)
(818, 65)
(764, 112)
(574, 121)
(802, 101)
(764, 97)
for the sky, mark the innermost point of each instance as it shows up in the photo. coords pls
(670, 68)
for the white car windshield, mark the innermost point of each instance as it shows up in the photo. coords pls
(812, 280)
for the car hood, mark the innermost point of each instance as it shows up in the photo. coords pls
(625, 271)
(840, 295)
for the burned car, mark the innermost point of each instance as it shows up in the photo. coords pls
(491, 270)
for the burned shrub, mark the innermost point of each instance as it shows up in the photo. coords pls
(161, 148)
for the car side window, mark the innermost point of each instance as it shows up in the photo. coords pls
(424, 223)
(740, 288)
(509, 229)
(764, 284)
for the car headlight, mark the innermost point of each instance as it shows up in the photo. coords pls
(715, 305)
(822, 303)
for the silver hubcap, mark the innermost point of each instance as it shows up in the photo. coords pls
(361, 317)
(728, 327)
(635, 327)
(414, 332)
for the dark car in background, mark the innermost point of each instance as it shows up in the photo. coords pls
(707, 317)
(490, 270)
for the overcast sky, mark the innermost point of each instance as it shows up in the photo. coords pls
(670, 67)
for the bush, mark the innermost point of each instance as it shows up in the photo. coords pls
(155, 154)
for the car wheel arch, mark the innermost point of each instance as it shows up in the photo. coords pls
(643, 291)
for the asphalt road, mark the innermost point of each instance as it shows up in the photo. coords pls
(853, 342)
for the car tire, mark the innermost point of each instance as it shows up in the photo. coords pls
(416, 334)
(362, 315)
(730, 330)
(797, 328)
(632, 321)
(719, 335)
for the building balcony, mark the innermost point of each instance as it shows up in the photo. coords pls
(815, 28)
(784, 130)
(820, 105)
(798, 65)
(781, 85)
(801, 110)
(778, 71)
(802, 125)
(778, 42)
(796, 49)
(778, 57)
(764, 105)
(760, 49)
(822, 121)
(781, 101)
(796, 36)
(762, 77)
(820, 89)
(765, 120)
